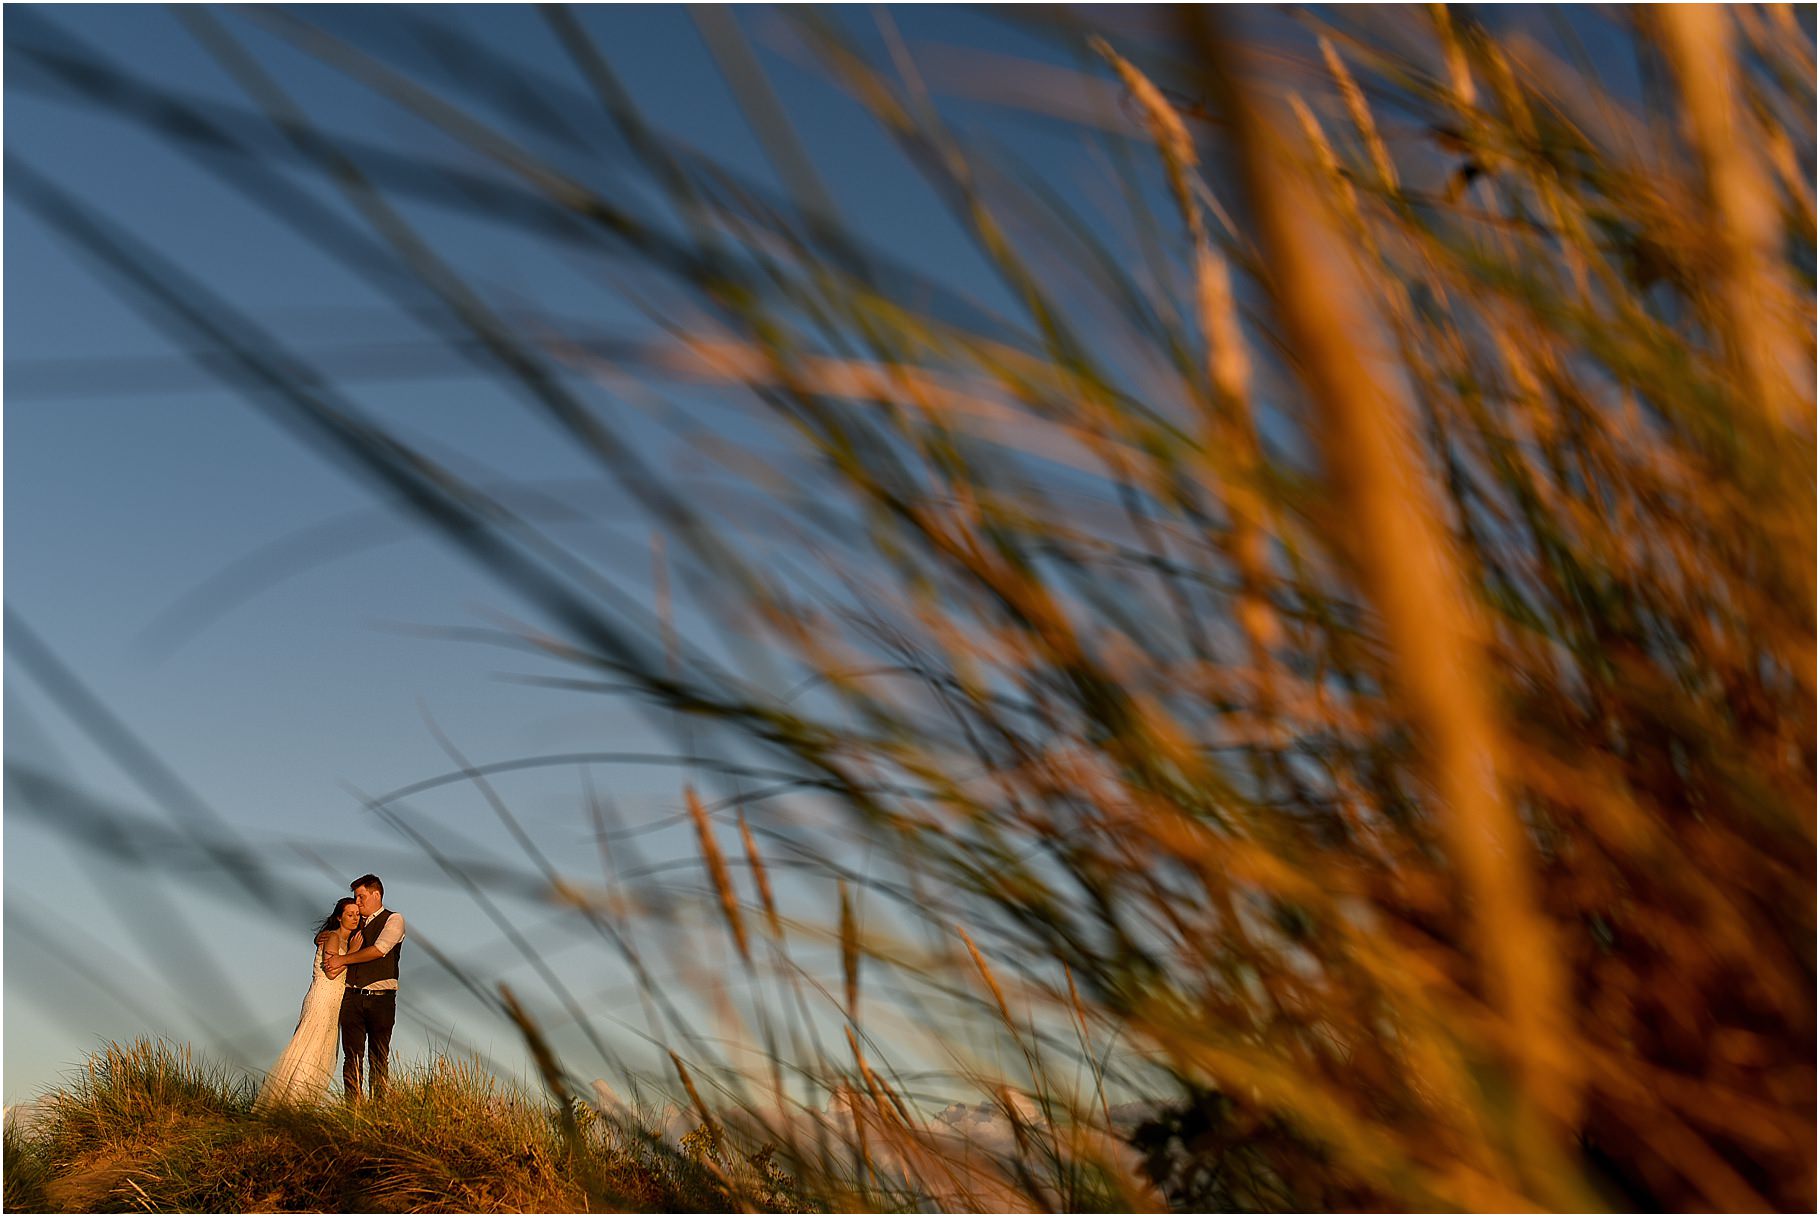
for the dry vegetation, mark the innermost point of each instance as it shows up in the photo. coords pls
(1347, 644)
(145, 1127)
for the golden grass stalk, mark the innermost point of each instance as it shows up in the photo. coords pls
(761, 878)
(849, 954)
(1230, 444)
(688, 1081)
(1360, 113)
(717, 872)
(992, 985)
(1755, 306)
(1392, 517)
(883, 1096)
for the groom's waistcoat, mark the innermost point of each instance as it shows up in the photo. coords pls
(373, 971)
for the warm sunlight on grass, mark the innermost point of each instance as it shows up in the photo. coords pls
(1338, 663)
(146, 1128)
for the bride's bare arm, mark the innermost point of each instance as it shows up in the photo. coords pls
(334, 969)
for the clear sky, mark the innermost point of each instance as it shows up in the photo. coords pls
(136, 486)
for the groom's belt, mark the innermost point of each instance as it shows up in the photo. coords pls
(372, 992)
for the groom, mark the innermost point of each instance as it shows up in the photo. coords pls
(370, 1005)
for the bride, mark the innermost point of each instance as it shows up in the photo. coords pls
(301, 1073)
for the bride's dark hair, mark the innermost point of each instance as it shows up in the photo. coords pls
(333, 921)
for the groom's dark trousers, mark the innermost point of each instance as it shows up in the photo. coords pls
(366, 1030)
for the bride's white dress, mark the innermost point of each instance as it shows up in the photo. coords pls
(303, 1069)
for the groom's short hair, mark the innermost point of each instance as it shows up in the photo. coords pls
(371, 881)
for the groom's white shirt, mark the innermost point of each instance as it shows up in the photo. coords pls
(390, 935)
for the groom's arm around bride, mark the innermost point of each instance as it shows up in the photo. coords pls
(333, 964)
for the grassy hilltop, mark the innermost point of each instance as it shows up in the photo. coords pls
(147, 1127)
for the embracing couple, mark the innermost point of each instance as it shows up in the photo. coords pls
(353, 997)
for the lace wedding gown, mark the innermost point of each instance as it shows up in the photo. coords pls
(302, 1071)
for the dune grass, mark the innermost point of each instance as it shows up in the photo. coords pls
(146, 1127)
